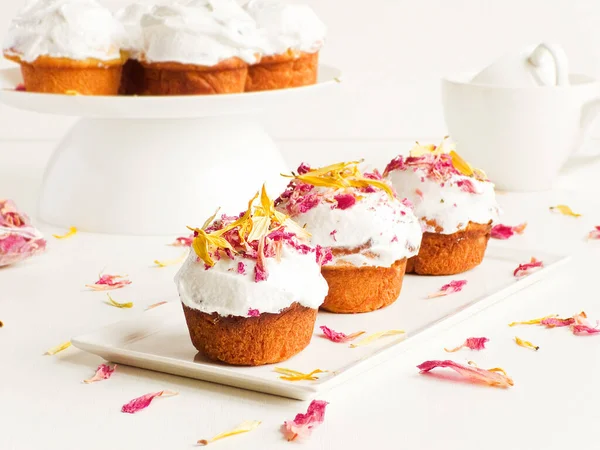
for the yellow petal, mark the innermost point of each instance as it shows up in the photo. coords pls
(117, 304)
(294, 375)
(70, 233)
(374, 337)
(244, 427)
(420, 150)
(532, 321)
(170, 262)
(210, 219)
(461, 165)
(526, 344)
(71, 92)
(565, 210)
(59, 348)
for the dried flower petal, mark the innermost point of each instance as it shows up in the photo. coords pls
(20, 87)
(565, 210)
(450, 288)
(581, 329)
(139, 403)
(460, 164)
(533, 321)
(183, 241)
(117, 304)
(243, 427)
(474, 343)
(336, 336)
(556, 322)
(493, 377)
(303, 424)
(58, 348)
(527, 268)
(156, 305)
(170, 262)
(253, 312)
(595, 233)
(374, 337)
(345, 201)
(500, 231)
(72, 231)
(109, 282)
(520, 342)
(104, 372)
(294, 375)
(19, 240)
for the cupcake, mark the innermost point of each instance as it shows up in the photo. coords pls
(251, 287)
(371, 233)
(455, 203)
(293, 36)
(133, 72)
(197, 47)
(67, 46)
(19, 240)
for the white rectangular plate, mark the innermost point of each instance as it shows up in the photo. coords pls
(159, 340)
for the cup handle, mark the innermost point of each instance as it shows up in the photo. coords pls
(561, 62)
(589, 113)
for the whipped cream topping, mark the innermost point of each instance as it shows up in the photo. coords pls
(287, 26)
(131, 18)
(201, 32)
(443, 199)
(226, 290)
(74, 29)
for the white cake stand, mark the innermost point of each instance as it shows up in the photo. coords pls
(152, 165)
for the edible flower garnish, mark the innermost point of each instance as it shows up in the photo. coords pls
(253, 312)
(537, 321)
(156, 305)
(183, 241)
(565, 210)
(557, 322)
(137, 404)
(170, 262)
(527, 268)
(20, 87)
(104, 372)
(374, 337)
(303, 424)
(19, 240)
(294, 375)
(450, 288)
(336, 336)
(500, 231)
(494, 377)
(58, 348)
(595, 233)
(474, 343)
(111, 302)
(581, 325)
(109, 282)
(243, 427)
(520, 342)
(72, 231)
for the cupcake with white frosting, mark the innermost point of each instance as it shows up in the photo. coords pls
(197, 47)
(455, 203)
(67, 46)
(252, 286)
(293, 37)
(370, 231)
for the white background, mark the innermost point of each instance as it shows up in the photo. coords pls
(393, 53)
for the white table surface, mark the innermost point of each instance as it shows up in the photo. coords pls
(44, 405)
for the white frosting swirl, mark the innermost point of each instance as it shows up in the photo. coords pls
(451, 207)
(389, 227)
(222, 290)
(131, 18)
(74, 29)
(287, 26)
(201, 32)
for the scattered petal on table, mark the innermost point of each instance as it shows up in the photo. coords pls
(474, 343)
(557, 322)
(581, 325)
(243, 427)
(527, 268)
(156, 305)
(493, 377)
(137, 404)
(595, 233)
(20, 87)
(500, 231)
(58, 348)
(537, 321)
(72, 231)
(521, 343)
(303, 424)
(170, 262)
(109, 282)
(565, 210)
(373, 337)
(336, 336)
(450, 288)
(183, 241)
(294, 375)
(104, 372)
(253, 313)
(19, 239)
(117, 304)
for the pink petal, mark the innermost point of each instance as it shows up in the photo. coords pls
(555, 322)
(183, 241)
(324, 255)
(584, 329)
(260, 270)
(303, 425)
(474, 343)
(335, 336)
(19, 240)
(104, 372)
(527, 268)
(345, 201)
(493, 377)
(500, 231)
(595, 233)
(466, 186)
(241, 268)
(450, 288)
(20, 87)
(137, 404)
(253, 312)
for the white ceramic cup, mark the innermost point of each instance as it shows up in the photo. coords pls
(520, 137)
(535, 65)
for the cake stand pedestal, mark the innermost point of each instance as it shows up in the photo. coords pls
(152, 165)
